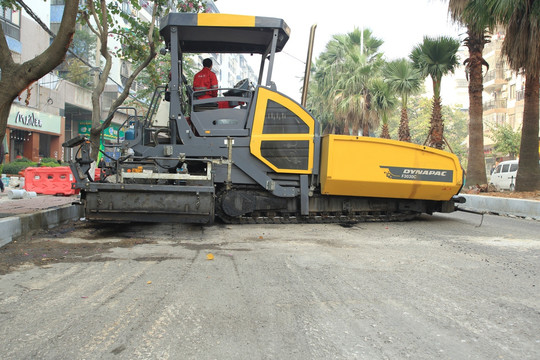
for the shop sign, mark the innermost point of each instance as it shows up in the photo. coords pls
(111, 133)
(34, 120)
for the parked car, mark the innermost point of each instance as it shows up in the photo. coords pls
(504, 175)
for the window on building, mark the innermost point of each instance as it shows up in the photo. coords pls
(125, 7)
(513, 91)
(146, 4)
(11, 20)
(7, 14)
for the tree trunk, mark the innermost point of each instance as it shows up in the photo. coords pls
(356, 128)
(404, 132)
(436, 132)
(103, 34)
(366, 113)
(385, 134)
(365, 127)
(528, 176)
(5, 108)
(11, 85)
(476, 163)
(345, 124)
(96, 129)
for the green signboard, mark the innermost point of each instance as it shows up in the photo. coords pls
(33, 120)
(110, 133)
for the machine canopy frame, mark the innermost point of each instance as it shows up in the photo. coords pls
(224, 33)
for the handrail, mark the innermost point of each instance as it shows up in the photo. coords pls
(111, 115)
(222, 90)
(153, 103)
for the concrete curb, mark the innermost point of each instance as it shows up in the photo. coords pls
(14, 227)
(502, 206)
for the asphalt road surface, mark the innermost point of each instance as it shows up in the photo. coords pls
(436, 288)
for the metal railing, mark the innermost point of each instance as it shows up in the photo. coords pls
(495, 104)
(497, 74)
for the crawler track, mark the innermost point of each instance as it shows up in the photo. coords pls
(258, 218)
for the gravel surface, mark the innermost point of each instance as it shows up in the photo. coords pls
(436, 288)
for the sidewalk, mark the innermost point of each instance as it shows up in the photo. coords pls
(21, 216)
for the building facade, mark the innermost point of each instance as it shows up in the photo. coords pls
(52, 109)
(33, 131)
(503, 96)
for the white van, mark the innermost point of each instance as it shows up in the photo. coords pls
(504, 175)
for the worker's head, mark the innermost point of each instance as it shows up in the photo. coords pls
(207, 63)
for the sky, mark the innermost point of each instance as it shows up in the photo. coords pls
(401, 24)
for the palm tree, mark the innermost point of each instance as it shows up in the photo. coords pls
(384, 102)
(353, 99)
(405, 80)
(327, 70)
(319, 108)
(436, 57)
(475, 41)
(521, 45)
(344, 71)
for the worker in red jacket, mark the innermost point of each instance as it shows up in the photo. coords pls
(207, 80)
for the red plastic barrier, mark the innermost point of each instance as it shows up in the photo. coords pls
(49, 180)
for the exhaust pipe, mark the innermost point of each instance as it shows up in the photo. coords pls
(308, 64)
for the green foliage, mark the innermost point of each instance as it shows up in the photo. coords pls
(51, 162)
(383, 99)
(507, 141)
(419, 119)
(10, 4)
(84, 44)
(436, 57)
(132, 33)
(403, 78)
(342, 77)
(18, 165)
(15, 167)
(78, 73)
(456, 130)
(75, 70)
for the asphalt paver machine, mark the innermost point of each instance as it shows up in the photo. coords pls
(259, 159)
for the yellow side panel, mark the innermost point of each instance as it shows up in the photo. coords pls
(207, 19)
(363, 166)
